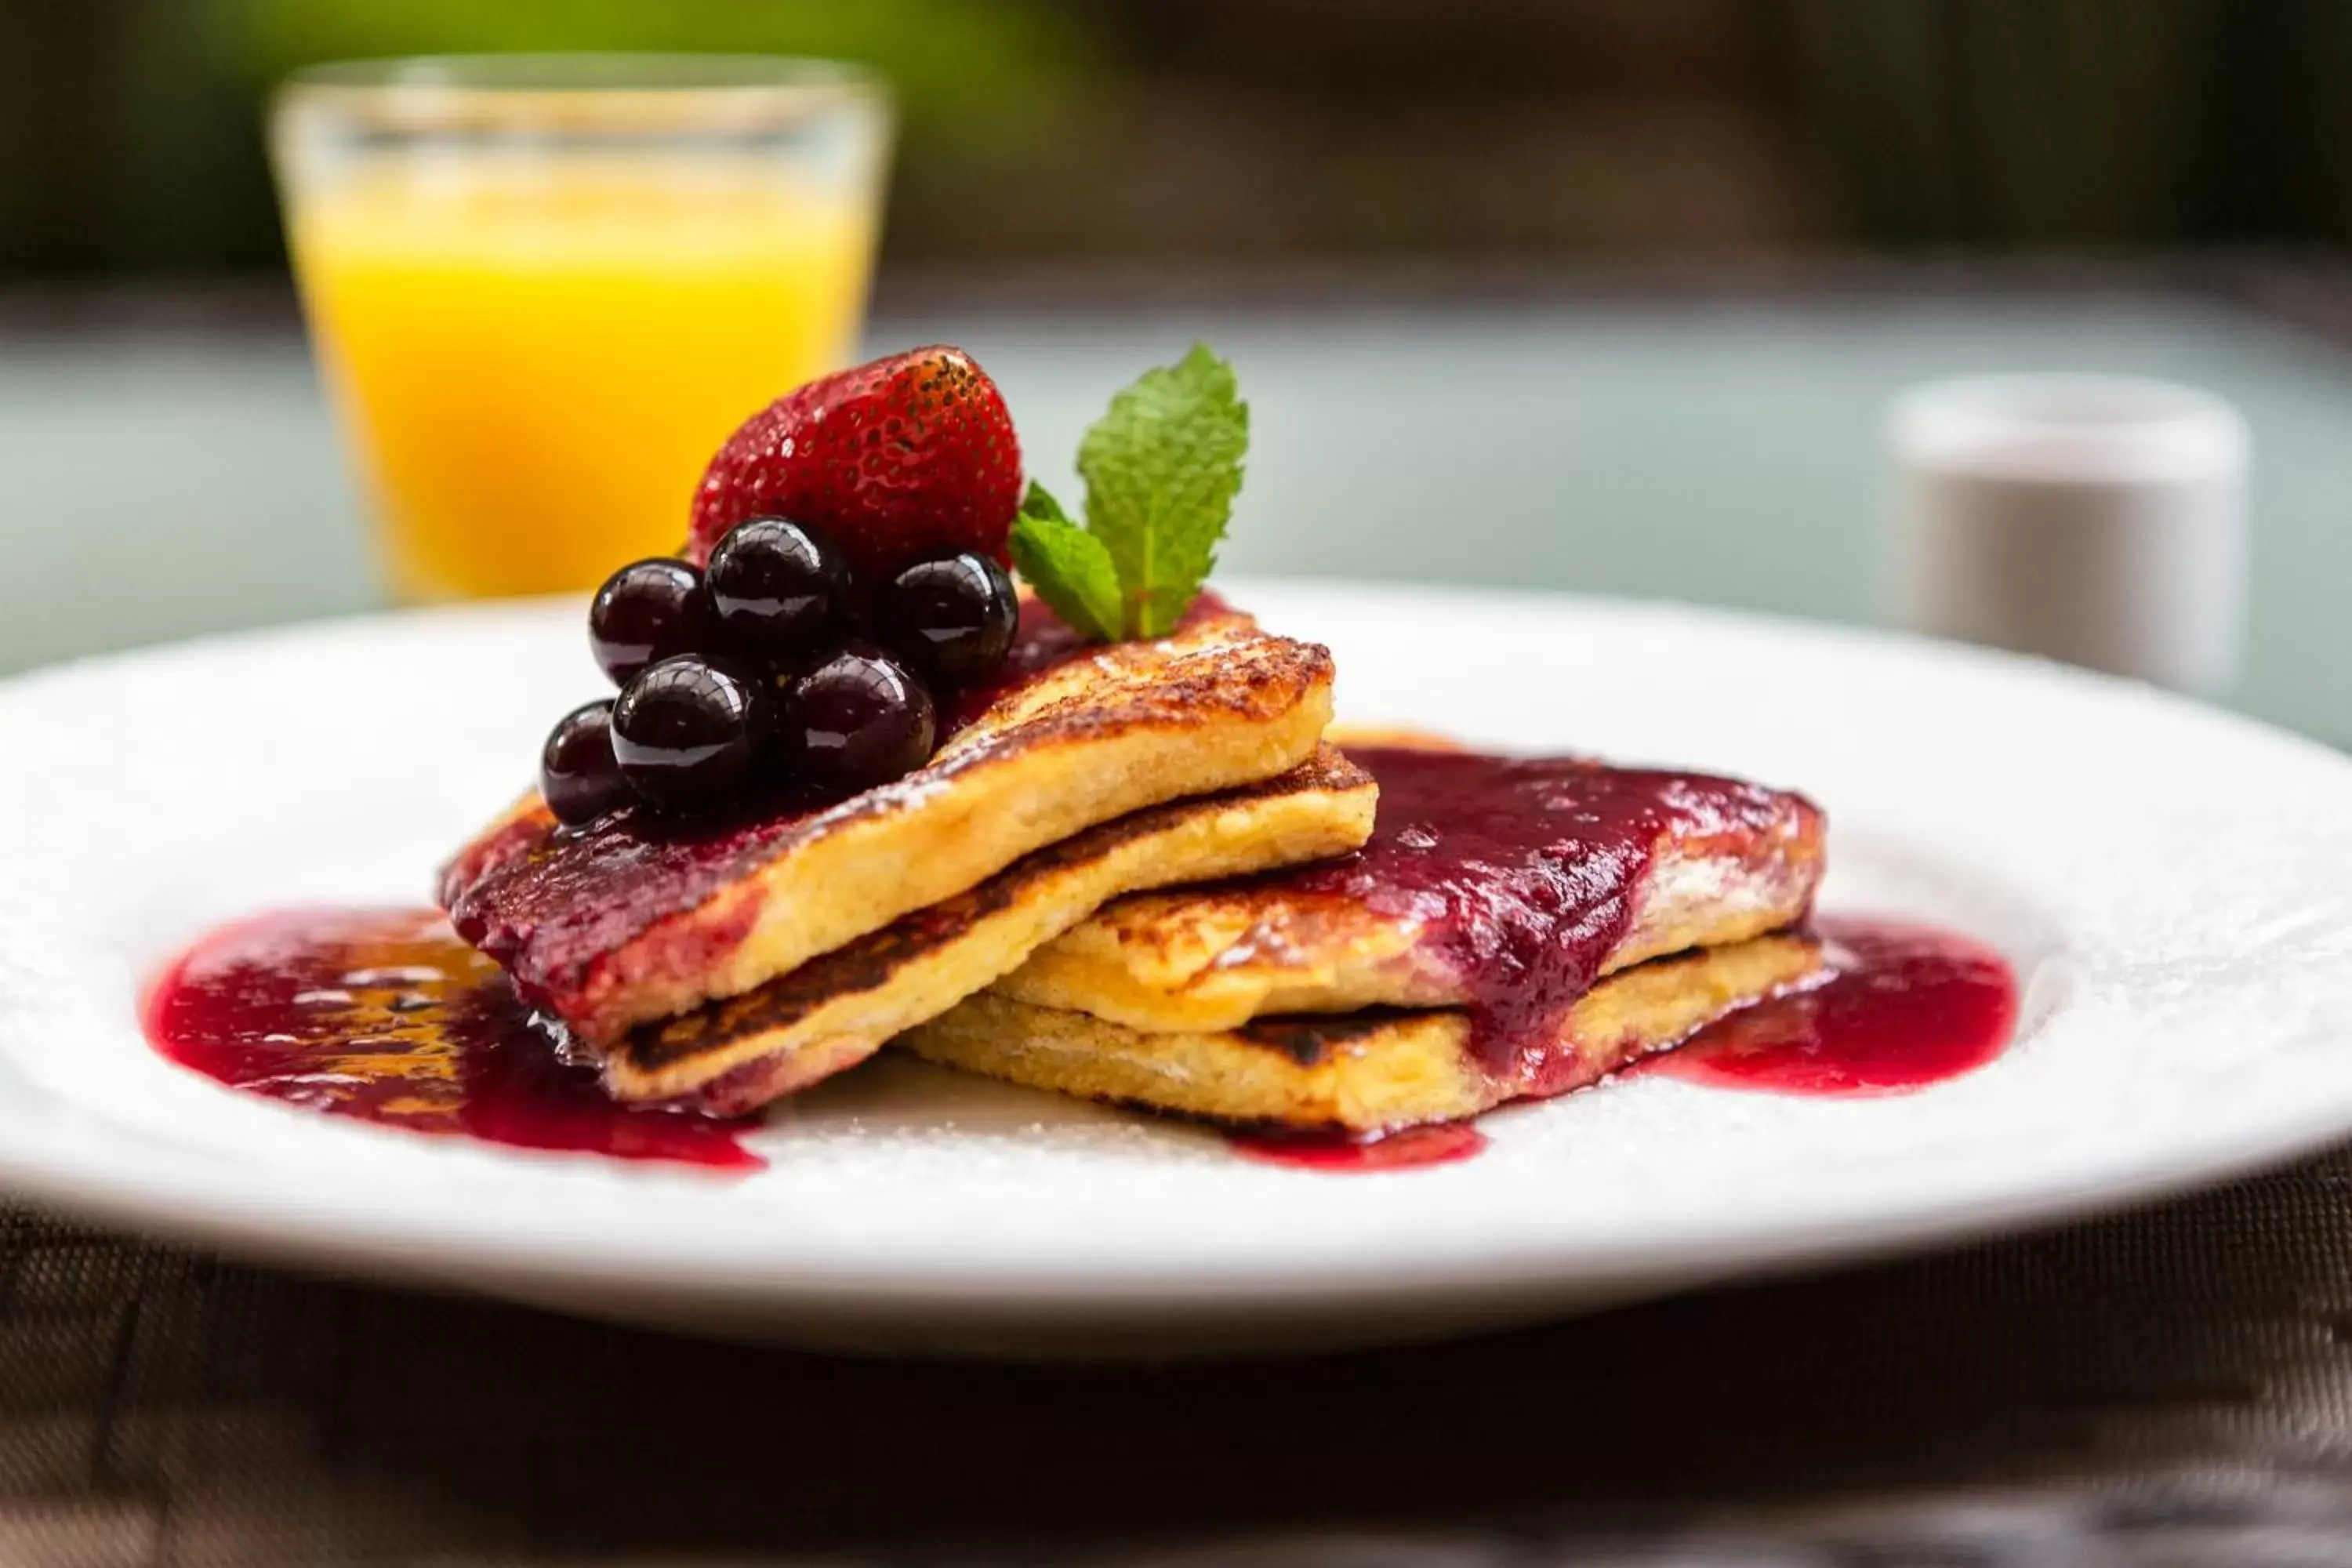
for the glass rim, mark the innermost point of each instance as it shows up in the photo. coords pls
(583, 90)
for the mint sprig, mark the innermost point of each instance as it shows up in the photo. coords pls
(1161, 469)
(1070, 568)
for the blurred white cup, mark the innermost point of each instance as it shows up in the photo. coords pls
(2098, 520)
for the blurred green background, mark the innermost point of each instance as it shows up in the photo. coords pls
(1171, 130)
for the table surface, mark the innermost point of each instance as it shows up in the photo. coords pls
(2171, 1386)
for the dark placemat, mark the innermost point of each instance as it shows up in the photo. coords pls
(2169, 1385)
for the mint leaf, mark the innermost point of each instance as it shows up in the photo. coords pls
(1163, 467)
(1040, 502)
(1069, 567)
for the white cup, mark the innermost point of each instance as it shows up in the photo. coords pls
(2098, 520)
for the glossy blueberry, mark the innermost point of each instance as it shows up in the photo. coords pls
(951, 618)
(578, 774)
(778, 589)
(646, 612)
(688, 732)
(859, 720)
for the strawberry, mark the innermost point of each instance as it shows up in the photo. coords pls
(909, 457)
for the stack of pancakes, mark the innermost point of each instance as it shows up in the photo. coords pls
(1279, 1001)
(1085, 891)
(727, 964)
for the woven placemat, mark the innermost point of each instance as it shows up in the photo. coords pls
(2171, 1386)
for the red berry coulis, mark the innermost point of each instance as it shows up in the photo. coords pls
(1338, 1154)
(1907, 1005)
(383, 1015)
(1521, 873)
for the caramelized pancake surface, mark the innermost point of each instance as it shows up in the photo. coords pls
(839, 1008)
(1368, 1072)
(1621, 865)
(634, 921)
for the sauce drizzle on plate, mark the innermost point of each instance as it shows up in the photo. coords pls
(1907, 1005)
(383, 1015)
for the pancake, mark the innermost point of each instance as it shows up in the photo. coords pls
(1635, 863)
(840, 1008)
(635, 920)
(1374, 1072)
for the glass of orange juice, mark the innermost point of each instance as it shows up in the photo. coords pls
(544, 288)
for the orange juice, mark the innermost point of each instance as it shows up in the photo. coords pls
(534, 359)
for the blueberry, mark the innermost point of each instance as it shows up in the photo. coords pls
(778, 588)
(578, 774)
(688, 732)
(646, 612)
(859, 720)
(953, 617)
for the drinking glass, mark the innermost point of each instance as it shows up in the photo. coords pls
(543, 288)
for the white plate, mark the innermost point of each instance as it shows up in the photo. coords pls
(2173, 885)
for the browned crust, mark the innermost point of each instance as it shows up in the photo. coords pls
(837, 1008)
(1369, 1072)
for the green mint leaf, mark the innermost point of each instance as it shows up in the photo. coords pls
(1069, 567)
(1040, 502)
(1161, 469)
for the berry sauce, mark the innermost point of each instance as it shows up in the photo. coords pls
(1520, 876)
(383, 1015)
(1907, 1005)
(1340, 1154)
